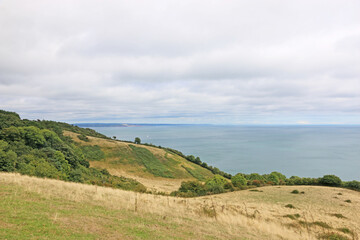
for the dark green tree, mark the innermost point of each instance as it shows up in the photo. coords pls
(137, 140)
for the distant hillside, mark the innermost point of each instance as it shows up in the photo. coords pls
(152, 166)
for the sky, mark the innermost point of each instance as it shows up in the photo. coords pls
(188, 61)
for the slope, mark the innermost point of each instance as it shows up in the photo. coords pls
(33, 208)
(156, 168)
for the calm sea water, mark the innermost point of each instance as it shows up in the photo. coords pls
(306, 151)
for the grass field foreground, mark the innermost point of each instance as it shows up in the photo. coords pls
(319, 212)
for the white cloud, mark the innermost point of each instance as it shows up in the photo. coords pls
(181, 61)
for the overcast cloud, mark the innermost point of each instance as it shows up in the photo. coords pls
(181, 61)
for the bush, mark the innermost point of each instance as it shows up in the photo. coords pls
(330, 180)
(239, 180)
(289, 206)
(295, 192)
(355, 185)
(216, 184)
(195, 187)
(273, 179)
(282, 178)
(83, 138)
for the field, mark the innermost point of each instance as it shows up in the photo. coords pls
(34, 208)
(157, 169)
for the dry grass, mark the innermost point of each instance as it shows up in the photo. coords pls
(259, 213)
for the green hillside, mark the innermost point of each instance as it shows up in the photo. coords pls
(138, 160)
(66, 152)
(39, 148)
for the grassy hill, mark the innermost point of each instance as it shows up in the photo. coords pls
(156, 168)
(36, 208)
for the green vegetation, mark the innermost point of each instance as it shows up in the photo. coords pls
(332, 236)
(93, 152)
(330, 180)
(193, 172)
(137, 140)
(83, 138)
(292, 216)
(345, 230)
(38, 148)
(215, 185)
(239, 180)
(152, 164)
(289, 206)
(197, 161)
(295, 191)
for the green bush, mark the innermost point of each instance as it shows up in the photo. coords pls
(330, 180)
(216, 184)
(239, 180)
(273, 179)
(355, 185)
(195, 187)
(83, 138)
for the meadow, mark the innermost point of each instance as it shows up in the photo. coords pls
(37, 208)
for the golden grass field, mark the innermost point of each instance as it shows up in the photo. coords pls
(247, 214)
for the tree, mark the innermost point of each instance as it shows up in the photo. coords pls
(330, 180)
(216, 184)
(137, 140)
(239, 180)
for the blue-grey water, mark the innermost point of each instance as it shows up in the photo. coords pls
(306, 151)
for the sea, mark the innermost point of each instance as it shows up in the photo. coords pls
(305, 151)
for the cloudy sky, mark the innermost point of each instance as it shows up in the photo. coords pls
(185, 61)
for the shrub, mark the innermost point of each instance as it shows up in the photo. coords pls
(257, 183)
(273, 179)
(282, 178)
(216, 184)
(338, 215)
(83, 137)
(289, 206)
(355, 185)
(195, 187)
(330, 180)
(295, 192)
(239, 180)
